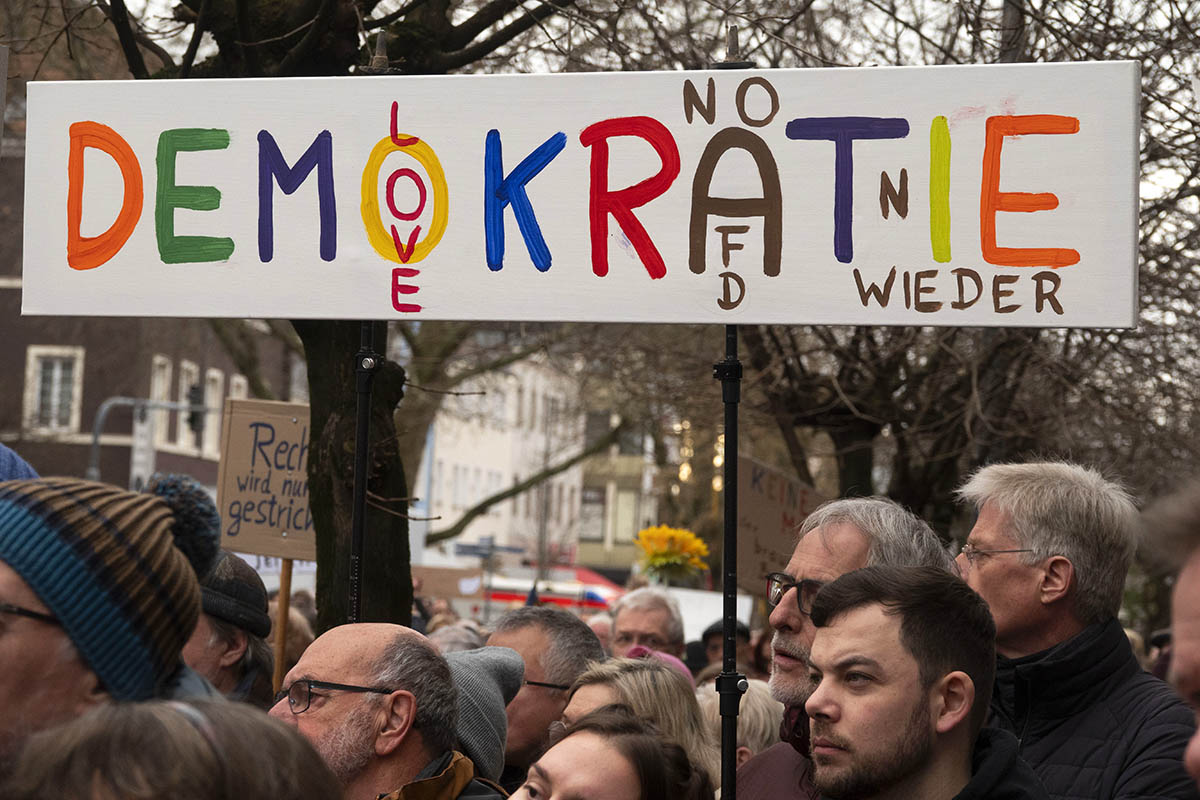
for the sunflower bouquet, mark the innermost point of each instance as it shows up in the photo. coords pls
(668, 554)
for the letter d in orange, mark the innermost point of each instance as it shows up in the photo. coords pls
(89, 252)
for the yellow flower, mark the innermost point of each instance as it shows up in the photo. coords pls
(670, 552)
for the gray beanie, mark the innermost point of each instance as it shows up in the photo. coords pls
(488, 678)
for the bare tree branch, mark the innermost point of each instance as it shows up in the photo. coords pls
(482, 507)
(467, 55)
(488, 15)
(133, 57)
(189, 57)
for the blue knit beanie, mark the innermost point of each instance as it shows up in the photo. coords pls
(13, 467)
(116, 569)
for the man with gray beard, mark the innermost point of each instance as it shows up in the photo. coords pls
(378, 702)
(838, 537)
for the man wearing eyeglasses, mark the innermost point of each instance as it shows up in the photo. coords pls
(378, 703)
(839, 537)
(557, 647)
(1049, 553)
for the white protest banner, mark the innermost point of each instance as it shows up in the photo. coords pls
(262, 480)
(771, 505)
(955, 195)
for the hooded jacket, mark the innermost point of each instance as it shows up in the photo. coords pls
(1093, 724)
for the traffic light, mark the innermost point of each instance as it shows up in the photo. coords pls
(196, 417)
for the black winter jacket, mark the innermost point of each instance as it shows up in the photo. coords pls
(1093, 724)
(998, 773)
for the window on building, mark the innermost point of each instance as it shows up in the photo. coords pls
(189, 376)
(214, 398)
(597, 425)
(516, 509)
(53, 388)
(437, 484)
(520, 406)
(533, 410)
(632, 442)
(591, 514)
(626, 515)
(160, 389)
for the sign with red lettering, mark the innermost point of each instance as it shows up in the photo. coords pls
(771, 506)
(262, 481)
(955, 195)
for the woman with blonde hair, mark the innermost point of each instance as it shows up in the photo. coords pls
(655, 692)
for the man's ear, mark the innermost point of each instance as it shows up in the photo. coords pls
(954, 697)
(742, 755)
(234, 652)
(1057, 576)
(91, 693)
(401, 708)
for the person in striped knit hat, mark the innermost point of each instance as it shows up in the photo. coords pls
(98, 594)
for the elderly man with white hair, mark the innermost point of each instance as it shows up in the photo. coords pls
(1049, 553)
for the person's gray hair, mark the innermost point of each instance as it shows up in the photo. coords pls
(1063, 509)
(573, 645)
(649, 598)
(456, 638)
(412, 664)
(898, 537)
(258, 657)
(1170, 530)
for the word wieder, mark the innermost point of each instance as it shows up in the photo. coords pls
(507, 191)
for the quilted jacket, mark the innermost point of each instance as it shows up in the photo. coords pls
(998, 773)
(1093, 724)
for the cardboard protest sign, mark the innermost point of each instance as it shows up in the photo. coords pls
(951, 195)
(771, 505)
(3, 88)
(262, 482)
(448, 582)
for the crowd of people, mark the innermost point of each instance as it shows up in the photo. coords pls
(134, 663)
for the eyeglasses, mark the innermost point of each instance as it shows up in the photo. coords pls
(561, 686)
(780, 583)
(9, 608)
(299, 694)
(973, 553)
(650, 641)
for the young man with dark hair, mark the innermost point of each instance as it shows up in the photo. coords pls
(901, 669)
(840, 536)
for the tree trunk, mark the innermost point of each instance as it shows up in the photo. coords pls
(330, 347)
(855, 447)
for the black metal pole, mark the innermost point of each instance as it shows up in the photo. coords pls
(730, 683)
(366, 362)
